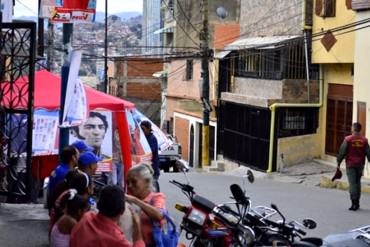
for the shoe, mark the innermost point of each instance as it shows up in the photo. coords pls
(353, 206)
(357, 204)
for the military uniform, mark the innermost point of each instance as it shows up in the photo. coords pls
(354, 149)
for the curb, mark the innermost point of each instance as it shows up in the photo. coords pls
(325, 182)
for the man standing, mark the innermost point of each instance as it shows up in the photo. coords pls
(146, 126)
(68, 160)
(354, 149)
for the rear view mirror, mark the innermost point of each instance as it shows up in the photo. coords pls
(309, 223)
(238, 194)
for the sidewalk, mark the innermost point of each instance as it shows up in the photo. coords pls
(310, 173)
(23, 225)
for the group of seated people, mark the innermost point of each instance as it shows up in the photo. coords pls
(117, 219)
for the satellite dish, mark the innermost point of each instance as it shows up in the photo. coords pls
(222, 12)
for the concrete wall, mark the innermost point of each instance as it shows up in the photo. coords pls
(271, 17)
(192, 9)
(343, 50)
(362, 69)
(298, 149)
(271, 91)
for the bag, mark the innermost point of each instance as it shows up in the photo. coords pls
(166, 235)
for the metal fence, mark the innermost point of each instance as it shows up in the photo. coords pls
(17, 64)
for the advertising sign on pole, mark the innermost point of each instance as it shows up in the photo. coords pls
(68, 11)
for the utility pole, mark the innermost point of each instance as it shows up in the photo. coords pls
(106, 83)
(50, 48)
(40, 29)
(205, 88)
(67, 43)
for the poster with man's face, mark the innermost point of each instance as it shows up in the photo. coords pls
(96, 132)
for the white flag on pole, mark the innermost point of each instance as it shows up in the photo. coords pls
(75, 105)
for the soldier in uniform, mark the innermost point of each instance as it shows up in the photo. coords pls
(354, 149)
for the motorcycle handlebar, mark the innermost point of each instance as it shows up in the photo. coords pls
(184, 187)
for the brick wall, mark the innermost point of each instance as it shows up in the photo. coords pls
(141, 68)
(182, 133)
(149, 91)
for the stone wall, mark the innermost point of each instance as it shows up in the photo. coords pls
(271, 17)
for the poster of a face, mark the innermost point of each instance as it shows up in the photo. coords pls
(140, 149)
(96, 132)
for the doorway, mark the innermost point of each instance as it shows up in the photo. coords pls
(339, 116)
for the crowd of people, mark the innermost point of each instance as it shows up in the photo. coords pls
(80, 216)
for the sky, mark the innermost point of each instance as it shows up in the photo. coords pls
(114, 6)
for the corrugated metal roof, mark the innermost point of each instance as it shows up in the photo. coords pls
(255, 42)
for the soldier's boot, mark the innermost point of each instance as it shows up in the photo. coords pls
(353, 206)
(357, 204)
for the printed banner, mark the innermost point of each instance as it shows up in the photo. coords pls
(140, 149)
(163, 141)
(75, 105)
(66, 11)
(6, 7)
(96, 132)
(45, 130)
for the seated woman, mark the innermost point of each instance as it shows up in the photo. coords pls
(76, 206)
(151, 204)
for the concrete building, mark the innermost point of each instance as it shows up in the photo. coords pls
(182, 25)
(361, 96)
(134, 81)
(151, 23)
(335, 55)
(270, 92)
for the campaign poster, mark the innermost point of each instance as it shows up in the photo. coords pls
(163, 141)
(44, 134)
(140, 149)
(68, 11)
(96, 132)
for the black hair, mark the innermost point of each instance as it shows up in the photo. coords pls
(357, 127)
(93, 114)
(60, 188)
(111, 201)
(67, 154)
(74, 205)
(146, 124)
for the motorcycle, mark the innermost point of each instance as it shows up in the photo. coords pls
(208, 224)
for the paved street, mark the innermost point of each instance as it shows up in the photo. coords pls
(27, 225)
(327, 207)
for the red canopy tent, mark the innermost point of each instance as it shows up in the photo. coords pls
(47, 96)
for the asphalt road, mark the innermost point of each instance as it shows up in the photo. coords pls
(27, 225)
(329, 208)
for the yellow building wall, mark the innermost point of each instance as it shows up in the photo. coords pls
(362, 71)
(339, 73)
(298, 149)
(343, 50)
